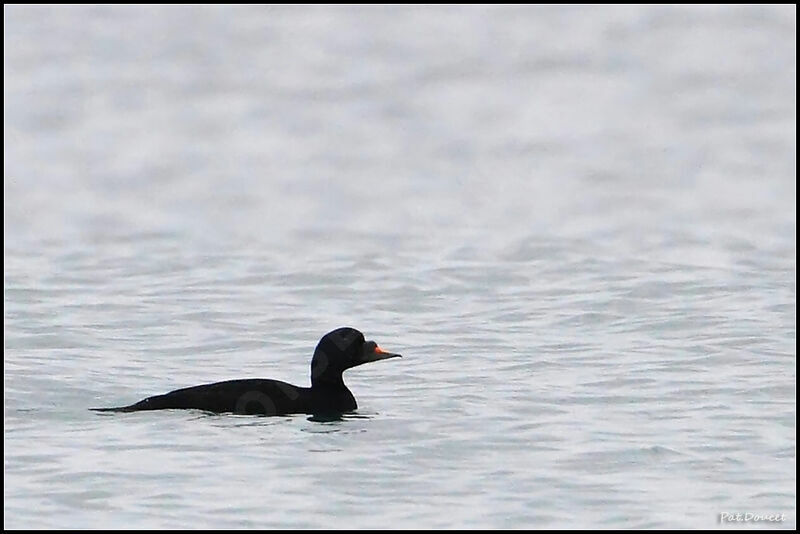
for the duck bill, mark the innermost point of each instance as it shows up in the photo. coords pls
(377, 354)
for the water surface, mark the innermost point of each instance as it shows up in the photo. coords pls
(578, 225)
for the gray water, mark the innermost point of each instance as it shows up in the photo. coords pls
(578, 225)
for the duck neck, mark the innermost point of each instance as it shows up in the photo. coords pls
(330, 395)
(328, 381)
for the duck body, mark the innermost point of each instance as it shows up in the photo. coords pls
(262, 396)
